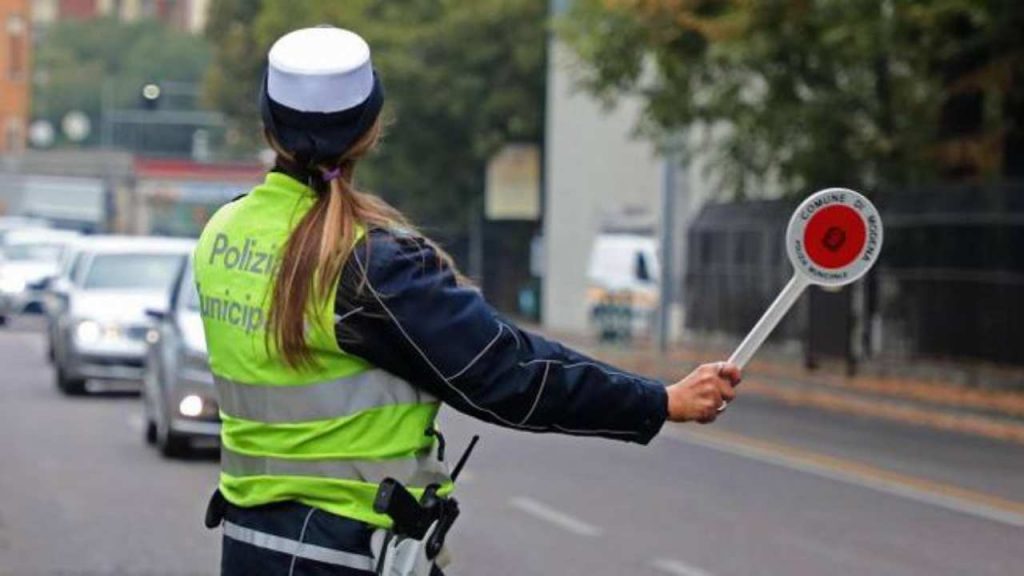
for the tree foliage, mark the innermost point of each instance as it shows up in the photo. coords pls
(806, 93)
(461, 79)
(230, 83)
(78, 60)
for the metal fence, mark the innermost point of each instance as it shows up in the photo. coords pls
(951, 280)
(736, 265)
(949, 285)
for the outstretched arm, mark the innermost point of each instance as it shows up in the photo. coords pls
(413, 319)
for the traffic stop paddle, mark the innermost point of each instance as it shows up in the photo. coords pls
(833, 238)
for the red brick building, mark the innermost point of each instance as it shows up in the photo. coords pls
(77, 9)
(15, 74)
(187, 15)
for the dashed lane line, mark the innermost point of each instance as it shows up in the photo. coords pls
(677, 568)
(555, 517)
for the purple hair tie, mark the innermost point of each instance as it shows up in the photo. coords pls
(332, 174)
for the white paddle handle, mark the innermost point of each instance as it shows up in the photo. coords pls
(771, 318)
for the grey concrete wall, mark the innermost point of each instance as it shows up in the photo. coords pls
(599, 175)
(596, 173)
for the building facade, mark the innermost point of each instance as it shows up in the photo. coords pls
(597, 175)
(113, 191)
(185, 15)
(15, 74)
(601, 177)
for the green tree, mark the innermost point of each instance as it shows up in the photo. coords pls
(230, 85)
(461, 78)
(814, 92)
(78, 60)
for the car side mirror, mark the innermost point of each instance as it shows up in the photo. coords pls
(156, 314)
(43, 284)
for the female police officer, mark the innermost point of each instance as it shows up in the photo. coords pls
(335, 331)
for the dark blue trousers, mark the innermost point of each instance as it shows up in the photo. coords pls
(292, 539)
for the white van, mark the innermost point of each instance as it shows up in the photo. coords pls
(623, 284)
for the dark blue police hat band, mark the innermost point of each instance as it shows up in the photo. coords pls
(315, 137)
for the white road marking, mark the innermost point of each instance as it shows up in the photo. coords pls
(677, 568)
(863, 480)
(553, 516)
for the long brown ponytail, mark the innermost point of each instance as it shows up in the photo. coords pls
(321, 244)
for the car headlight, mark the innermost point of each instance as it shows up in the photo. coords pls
(12, 285)
(191, 406)
(88, 331)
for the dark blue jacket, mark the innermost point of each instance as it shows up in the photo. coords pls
(412, 319)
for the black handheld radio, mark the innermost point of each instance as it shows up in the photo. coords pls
(412, 518)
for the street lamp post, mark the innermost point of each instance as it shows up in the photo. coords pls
(672, 162)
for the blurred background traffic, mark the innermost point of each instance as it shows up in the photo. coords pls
(616, 173)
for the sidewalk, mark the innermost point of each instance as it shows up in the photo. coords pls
(933, 403)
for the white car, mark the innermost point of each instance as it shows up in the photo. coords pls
(29, 258)
(98, 320)
(10, 223)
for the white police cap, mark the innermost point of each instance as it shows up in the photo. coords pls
(322, 69)
(321, 92)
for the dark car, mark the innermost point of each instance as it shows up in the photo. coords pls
(178, 394)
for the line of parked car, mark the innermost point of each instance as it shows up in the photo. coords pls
(117, 308)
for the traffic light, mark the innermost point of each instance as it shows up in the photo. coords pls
(151, 96)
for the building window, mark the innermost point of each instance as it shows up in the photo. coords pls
(150, 9)
(13, 137)
(79, 9)
(16, 36)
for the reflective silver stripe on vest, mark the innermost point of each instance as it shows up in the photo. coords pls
(320, 401)
(296, 548)
(418, 471)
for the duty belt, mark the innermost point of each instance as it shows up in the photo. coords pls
(419, 528)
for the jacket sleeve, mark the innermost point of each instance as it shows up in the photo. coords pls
(411, 318)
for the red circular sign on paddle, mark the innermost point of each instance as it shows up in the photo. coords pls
(834, 237)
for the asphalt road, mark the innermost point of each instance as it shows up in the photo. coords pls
(768, 490)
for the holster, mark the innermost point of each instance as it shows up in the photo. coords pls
(395, 555)
(415, 542)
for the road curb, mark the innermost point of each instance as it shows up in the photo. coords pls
(994, 414)
(988, 427)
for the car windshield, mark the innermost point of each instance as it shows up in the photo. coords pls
(191, 295)
(41, 252)
(132, 271)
